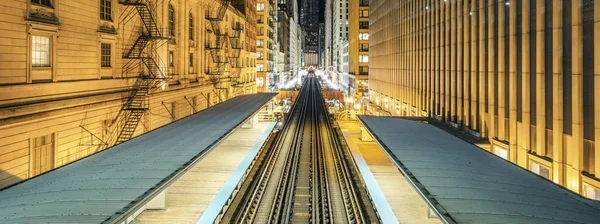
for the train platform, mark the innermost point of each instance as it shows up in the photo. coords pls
(463, 183)
(396, 201)
(115, 185)
(200, 194)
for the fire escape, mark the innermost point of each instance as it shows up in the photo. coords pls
(143, 52)
(224, 48)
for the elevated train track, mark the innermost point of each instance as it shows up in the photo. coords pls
(303, 174)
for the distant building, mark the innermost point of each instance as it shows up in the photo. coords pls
(358, 46)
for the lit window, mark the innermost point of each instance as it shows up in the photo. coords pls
(260, 43)
(106, 9)
(363, 58)
(364, 13)
(591, 192)
(260, 7)
(105, 53)
(40, 51)
(260, 67)
(171, 59)
(363, 36)
(42, 2)
(171, 21)
(260, 55)
(540, 169)
(501, 152)
(191, 27)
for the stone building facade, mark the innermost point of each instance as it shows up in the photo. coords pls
(522, 75)
(64, 77)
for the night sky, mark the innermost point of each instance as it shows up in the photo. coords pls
(321, 11)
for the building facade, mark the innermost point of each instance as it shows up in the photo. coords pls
(520, 74)
(358, 47)
(309, 21)
(340, 39)
(69, 79)
(266, 40)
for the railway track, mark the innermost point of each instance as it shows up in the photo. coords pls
(303, 174)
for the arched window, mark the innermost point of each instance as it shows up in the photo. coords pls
(191, 26)
(171, 21)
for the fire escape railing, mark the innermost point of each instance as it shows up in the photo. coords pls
(144, 52)
(224, 48)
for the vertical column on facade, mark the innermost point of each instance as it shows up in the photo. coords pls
(512, 73)
(473, 63)
(501, 72)
(403, 45)
(448, 62)
(466, 68)
(540, 84)
(428, 65)
(445, 54)
(524, 145)
(557, 97)
(491, 70)
(459, 63)
(575, 149)
(420, 38)
(482, 117)
(437, 38)
(452, 58)
(413, 58)
(596, 89)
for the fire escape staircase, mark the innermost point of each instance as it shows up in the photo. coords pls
(225, 49)
(144, 50)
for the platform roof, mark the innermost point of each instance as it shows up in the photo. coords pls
(466, 184)
(117, 180)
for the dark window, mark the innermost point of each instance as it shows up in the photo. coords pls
(105, 50)
(191, 27)
(106, 9)
(519, 62)
(548, 63)
(588, 68)
(42, 2)
(532, 62)
(171, 21)
(567, 92)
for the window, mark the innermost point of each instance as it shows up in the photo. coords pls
(363, 58)
(591, 192)
(363, 36)
(501, 152)
(42, 2)
(260, 7)
(191, 27)
(40, 51)
(106, 10)
(105, 53)
(540, 169)
(191, 60)
(260, 55)
(260, 67)
(171, 59)
(42, 154)
(171, 21)
(364, 47)
(364, 13)
(260, 43)
(363, 25)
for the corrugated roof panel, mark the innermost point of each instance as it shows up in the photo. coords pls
(472, 185)
(93, 189)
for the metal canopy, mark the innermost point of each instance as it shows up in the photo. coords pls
(466, 184)
(112, 182)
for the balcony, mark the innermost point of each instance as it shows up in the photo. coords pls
(364, 3)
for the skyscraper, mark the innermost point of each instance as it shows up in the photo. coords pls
(309, 21)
